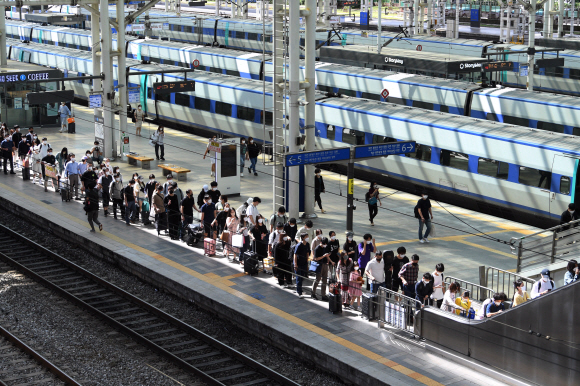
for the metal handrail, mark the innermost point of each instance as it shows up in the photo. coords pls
(553, 229)
(480, 289)
(511, 277)
(401, 309)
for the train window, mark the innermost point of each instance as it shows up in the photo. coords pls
(493, 168)
(182, 99)
(154, 60)
(269, 118)
(550, 127)
(187, 29)
(353, 137)
(491, 117)
(516, 121)
(232, 73)
(347, 92)
(382, 139)
(246, 113)
(330, 132)
(163, 97)
(576, 131)
(423, 105)
(216, 70)
(422, 152)
(239, 34)
(252, 36)
(454, 159)
(372, 96)
(444, 109)
(565, 185)
(223, 109)
(323, 88)
(202, 104)
(535, 177)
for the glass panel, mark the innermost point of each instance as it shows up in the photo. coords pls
(223, 109)
(493, 168)
(202, 104)
(182, 99)
(454, 159)
(353, 137)
(368, 95)
(347, 92)
(246, 113)
(516, 121)
(565, 185)
(551, 127)
(330, 132)
(535, 177)
(422, 152)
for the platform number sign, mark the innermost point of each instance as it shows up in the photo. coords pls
(385, 93)
(196, 63)
(419, 47)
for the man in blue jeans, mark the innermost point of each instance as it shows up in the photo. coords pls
(253, 153)
(375, 271)
(301, 252)
(129, 195)
(423, 212)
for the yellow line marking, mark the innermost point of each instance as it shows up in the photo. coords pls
(220, 284)
(486, 248)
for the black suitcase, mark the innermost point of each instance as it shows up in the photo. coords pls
(369, 303)
(250, 262)
(334, 303)
(193, 234)
(72, 128)
(26, 174)
(65, 194)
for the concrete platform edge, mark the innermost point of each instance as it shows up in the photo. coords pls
(281, 340)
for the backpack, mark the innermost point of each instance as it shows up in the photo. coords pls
(416, 211)
(275, 219)
(367, 196)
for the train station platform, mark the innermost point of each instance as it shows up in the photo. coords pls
(345, 344)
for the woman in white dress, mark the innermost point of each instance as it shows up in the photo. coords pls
(36, 168)
(449, 297)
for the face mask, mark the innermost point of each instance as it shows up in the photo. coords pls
(44, 142)
(403, 256)
(213, 188)
(319, 237)
(209, 201)
(286, 238)
(35, 137)
(376, 186)
(292, 225)
(333, 238)
(369, 241)
(415, 264)
(243, 142)
(117, 179)
(139, 107)
(571, 212)
(323, 245)
(350, 239)
(260, 221)
(89, 168)
(49, 153)
(307, 239)
(252, 141)
(317, 174)
(497, 303)
(73, 159)
(425, 196)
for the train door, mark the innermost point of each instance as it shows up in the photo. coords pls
(565, 187)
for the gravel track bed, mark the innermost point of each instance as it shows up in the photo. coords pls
(81, 345)
(304, 373)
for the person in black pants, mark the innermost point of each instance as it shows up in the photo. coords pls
(7, 147)
(173, 214)
(318, 188)
(150, 188)
(187, 206)
(373, 201)
(282, 261)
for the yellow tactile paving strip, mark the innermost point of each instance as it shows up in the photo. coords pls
(224, 284)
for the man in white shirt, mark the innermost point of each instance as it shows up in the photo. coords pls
(544, 285)
(252, 211)
(44, 146)
(375, 271)
(307, 228)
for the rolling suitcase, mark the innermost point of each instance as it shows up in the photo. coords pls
(72, 128)
(65, 194)
(250, 262)
(193, 234)
(334, 303)
(368, 305)
(209, 246)
(26, 174)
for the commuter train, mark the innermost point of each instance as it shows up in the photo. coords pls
(518, 173)
(553, 112)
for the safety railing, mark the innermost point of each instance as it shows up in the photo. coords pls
(396, 309)
(477, 292)
(500, 280)
(542, 248)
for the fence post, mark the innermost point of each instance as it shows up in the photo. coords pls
(553, 254)
(482, 276)
(519, 263)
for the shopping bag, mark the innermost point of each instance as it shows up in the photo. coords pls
(238, 241)
(432, 232)
(152, 142)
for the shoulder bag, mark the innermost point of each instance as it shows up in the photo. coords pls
(314, 266)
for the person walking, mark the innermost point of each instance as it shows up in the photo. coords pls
(254, 151)
(318, 188)
(171, 203)
(544, 285)
(243, 155)
(424, 213)
(373, 201)
(139, 116)
(129, 197)
(321, 256)
(64, 113)
(71, 172)
(158, 137)
(209, 151)
(92, 207)
(300, 258)
(408, 275)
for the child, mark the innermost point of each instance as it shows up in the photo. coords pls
(464, 302)
(354, 288)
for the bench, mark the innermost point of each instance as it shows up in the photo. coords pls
(145, 161)
(173, 169)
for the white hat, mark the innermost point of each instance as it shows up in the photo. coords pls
(205, 188)
(250, 200)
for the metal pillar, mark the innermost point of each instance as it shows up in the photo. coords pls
(531, 43)
(107, 68)
(572, 19)
(309, 126)
(217, 7)
(416, 11)
(234, 8)
(278, 119)
(95, 52)
(121, 73)
(561, 18)
(294, 110)
(3, 61)
(350, 193)
(457, 11)
(379, 27)
(326, 11)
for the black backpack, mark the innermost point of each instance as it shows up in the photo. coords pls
(416, 211)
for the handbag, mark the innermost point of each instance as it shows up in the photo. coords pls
(152, 143)
(87, 206)
(238, 241)
(71, 120)
(225, 237)
(373, 201)
(314, 266)
(432, 232)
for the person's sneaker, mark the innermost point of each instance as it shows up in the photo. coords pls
(300, 296)
(322, 210)
(12, 173)
(100, 227)
(249, 170)
(92, 230)
(78, 199)
(211, 174)
(325, 298)
(255, 173)
(426, 239)
(241, 174)
(285, 286)
(313, 296)
(422, 241)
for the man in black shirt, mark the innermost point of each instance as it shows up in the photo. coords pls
(89, 178)
(150, 188)
(50, 159)
(423, 212)
(291, 229)
(208, 214)
(172, 205)
(398, 263)
(301, 253)
(214, 192)
(253, 153)
(322, 256)
(333, 247)
(187, 205)
(350, 247)
(17, 135)
(129, 197)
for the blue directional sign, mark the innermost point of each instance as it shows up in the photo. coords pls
(134, 96)
(95, 101)
(384, 149)
(318, 157)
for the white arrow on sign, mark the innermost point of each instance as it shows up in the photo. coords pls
(291, 160)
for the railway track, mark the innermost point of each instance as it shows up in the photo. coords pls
(20, 364)
(190, 349)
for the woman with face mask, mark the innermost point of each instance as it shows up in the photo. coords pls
(259, 235)
(232, 224)
(343, 270)
(243, 229)
(158, 137)
(373, 201)
(139, 116)
(243, 155)
(282, 261)
(211, 153)
(36, 158)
